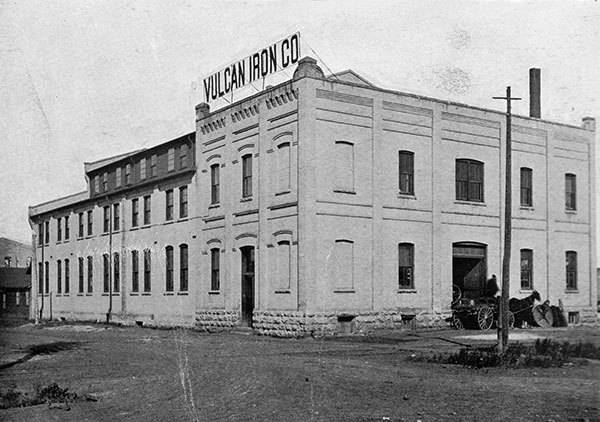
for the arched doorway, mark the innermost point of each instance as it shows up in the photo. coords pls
(469, 268)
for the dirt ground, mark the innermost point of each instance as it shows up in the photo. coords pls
(139, 374)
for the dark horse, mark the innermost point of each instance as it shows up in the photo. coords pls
(522, 308)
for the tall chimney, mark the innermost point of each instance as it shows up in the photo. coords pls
(534, 93)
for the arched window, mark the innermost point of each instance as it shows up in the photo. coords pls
(106, 272)
(135, 271)
(183, 267)
(283, 264)
(67, 276)
(59, 276)
(214, 183)
(116, 271)
(283, 167)
(169, 268)
(147, 271)
(215, 257)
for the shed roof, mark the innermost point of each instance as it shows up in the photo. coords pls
(15, 278)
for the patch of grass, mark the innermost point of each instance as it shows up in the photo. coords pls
(49, 394)
(544, 353)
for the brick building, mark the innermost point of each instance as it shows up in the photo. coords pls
(320, 202)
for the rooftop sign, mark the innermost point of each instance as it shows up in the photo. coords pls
(264, 62)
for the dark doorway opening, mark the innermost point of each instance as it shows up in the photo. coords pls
(469, 269)
(247, 285)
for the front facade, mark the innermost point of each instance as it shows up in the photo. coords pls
(326, 202)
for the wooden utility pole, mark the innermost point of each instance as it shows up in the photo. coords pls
(503, 326)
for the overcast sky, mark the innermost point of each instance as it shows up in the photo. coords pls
(83, 80)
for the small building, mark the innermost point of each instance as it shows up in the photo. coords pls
(15, 289)
(319, 204)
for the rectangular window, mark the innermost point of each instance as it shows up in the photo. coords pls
(90, 223)
(128, 174)
(526, 269)
(90, 285)
(81, 275)
(106, 219)
(105, 182)
(214, 184)
(214, 269)
(183, 268)
(283, 264)
(40, 279)
(47, 232)
(153, 165)
(169, 205)
(469, 180)
(247, 176)
(343, 265)
(80, 224)
(283, 166)
(118, 177)
(97, 184)
(142, 169)
(58, 229)
(135, 212)
(67, 228)
(147, 271)
(169, 265)
(406, 171)
(526, 187)
(183, 156)
(171, 159)
(116, 217)
(147, 210)
(58, 277)
(47, 277)
(67, 276)
(116, 272)
(183, 202)
(570, 192)
(135, 271)
(344, 167)
(571, 270)
(40, 234)
(106, 272)
(406, 266)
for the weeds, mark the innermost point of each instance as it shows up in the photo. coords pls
(544, 353)
(49, 394)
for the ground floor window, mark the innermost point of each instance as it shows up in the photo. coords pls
(526, 269)
(406, 266)
(571, 267)
(215, 256)
(147, 271)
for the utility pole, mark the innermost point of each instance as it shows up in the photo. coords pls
(503, 326)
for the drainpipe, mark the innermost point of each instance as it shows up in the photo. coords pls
(110, 261)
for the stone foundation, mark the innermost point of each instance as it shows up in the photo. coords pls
(217, 320)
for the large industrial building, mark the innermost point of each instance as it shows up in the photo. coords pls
(320, 203)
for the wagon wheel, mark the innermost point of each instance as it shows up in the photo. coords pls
(456, 293)
(457, 324)
(485, 317)
(511, 320)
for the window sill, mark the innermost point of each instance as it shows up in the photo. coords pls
(169, 294)
(134, 228)
(134, 294)
(406, 196)
(409, 291)
(475, 203)
(79, 294)
(571, 291)
(246, 199)
(214, 206)
(166, 223)
(214, 292)
(526, 291)
(283, 192)
(182, 294)
(527, 208)
(146, 294)
(182, 219)
(344, 291)
(89, 294)
(346, 191)
(89, 236)
(283, 291)
(570, 211)
(58, 242)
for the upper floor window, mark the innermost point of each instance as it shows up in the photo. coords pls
(183, 267)
(97, 184)
(105, 182)
(469, 180)
(169, 205)
(40, 234)
(215, 256)
(80, 234)
(344, 167)
(153, 165)
(169, 268)
(135, 212)
(406, 172)
(183, 161)
(59, 229)
(67, 228)
(171, 159)
(116, 217)
(128, 174)
(106, 219)
(118, 177)
(526, 269)
(406, 265)
(570, 191)
(526, 187)
(571, 270)
(183, 202)
(142, 168)
(283, 167)
(247, 176)
(214, 184)
(90, 223)
(47, 232)
(147, 209)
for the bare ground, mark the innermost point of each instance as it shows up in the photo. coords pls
(138, 374)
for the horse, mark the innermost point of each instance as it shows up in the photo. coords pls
(522, 308)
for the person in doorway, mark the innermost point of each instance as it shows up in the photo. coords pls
(491, 287)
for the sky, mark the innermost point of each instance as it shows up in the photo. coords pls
(84, 80)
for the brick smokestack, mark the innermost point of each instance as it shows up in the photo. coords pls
(535, 107)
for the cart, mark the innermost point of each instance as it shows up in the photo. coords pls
(482, 312)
